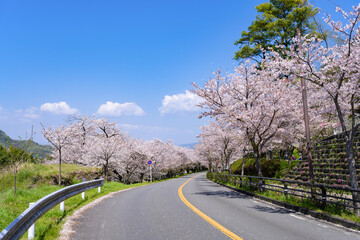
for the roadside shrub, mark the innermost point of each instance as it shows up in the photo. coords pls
(269, 167)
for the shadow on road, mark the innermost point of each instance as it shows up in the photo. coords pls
(217, 190)
(270, 209)
(222, 193)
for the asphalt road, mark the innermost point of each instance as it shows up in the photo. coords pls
(156, 212)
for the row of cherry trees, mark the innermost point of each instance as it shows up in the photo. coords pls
(219, 144)
(97, 142)
(259, 106)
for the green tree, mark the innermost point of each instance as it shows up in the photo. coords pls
(275, 25)
(4, 156)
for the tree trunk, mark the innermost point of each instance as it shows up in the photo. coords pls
(242, 166)
(258, 164)
(223, 163)
(281, 155)
(142, 177)
(352, 169)
(59, 166)
(15, 180)
(258, 169)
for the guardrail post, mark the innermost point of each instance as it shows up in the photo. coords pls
(323, 196)
(285, 189)
(26, 221)
(261, 184)
(31, 230)
(62, 206)
(99, 188)
(83, 193)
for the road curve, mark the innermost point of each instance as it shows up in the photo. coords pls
(156, 212)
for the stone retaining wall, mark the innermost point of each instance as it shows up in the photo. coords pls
(329, 162)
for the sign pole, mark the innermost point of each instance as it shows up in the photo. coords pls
(150, 174)
(149, 163)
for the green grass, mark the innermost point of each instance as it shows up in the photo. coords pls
(285, 167)
(31, 190)
(50, 224)
(271, 168)
(330, 209)
(32, 175)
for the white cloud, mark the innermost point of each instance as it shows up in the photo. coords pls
(31, 113)
(120, 109)
(58, 108)
(27, 115)
(182, 102)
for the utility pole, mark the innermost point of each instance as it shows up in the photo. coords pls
(306, 117)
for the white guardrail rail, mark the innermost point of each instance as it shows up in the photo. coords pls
(28, 218)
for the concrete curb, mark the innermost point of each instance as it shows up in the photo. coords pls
(306, 211)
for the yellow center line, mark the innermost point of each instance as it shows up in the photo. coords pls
(204, 216)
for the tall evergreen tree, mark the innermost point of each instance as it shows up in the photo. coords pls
(275, 25)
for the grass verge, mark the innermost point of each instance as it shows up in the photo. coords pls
(330, 209)
(31, 190)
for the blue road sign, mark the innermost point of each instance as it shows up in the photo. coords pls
(149, 162)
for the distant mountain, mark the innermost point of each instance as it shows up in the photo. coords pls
(35, 148)
(188, 145)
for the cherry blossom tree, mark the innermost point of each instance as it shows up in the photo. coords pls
(59, 138)
(84, 128)
(105, 144)
(224, 141)
(97, 142)
(181, 158)
(334, 73)
(162, 155)
(206, 153)
(256, 102)
(169, 159)
(134, 162)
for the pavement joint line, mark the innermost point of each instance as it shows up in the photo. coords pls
(204, 216)
(298, 217)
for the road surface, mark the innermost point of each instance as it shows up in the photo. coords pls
(156, 212)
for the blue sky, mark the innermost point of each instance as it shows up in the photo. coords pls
(116, 59)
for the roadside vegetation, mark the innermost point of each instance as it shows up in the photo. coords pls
(283, 80)
(122, 161)
(274, 168)
(36, 181)
(330, 209)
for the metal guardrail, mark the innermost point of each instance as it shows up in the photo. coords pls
(324, 194)
(22, 223)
